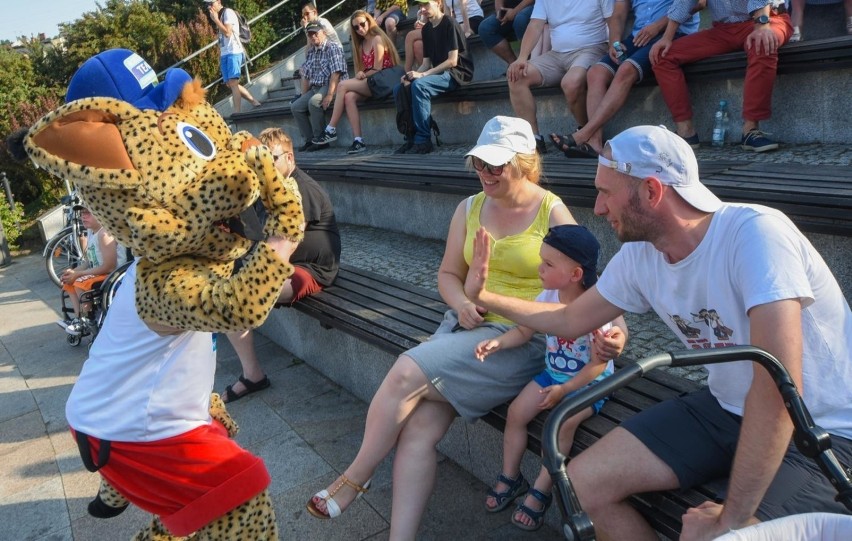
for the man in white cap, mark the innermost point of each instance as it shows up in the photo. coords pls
(743, 274)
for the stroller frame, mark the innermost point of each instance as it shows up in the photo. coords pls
(811, 440)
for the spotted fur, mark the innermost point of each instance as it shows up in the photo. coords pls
(252, 521)
(162, 183)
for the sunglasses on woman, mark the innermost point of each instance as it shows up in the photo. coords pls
(479, 165)
(362, 24)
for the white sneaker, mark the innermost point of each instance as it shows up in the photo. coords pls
(75, 328)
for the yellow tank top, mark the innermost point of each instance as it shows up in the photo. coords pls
(513, 267)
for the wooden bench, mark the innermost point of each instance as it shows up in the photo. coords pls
(394, 317)
(818, 199)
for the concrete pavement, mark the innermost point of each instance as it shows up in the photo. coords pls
(305, 427)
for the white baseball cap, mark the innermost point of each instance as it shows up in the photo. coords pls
(654, 151)
(502, 138)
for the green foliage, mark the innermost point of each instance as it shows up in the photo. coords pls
(11, 220)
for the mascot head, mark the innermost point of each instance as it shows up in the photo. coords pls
(162, 172)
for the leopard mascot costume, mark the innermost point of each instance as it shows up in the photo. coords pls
(160, 169)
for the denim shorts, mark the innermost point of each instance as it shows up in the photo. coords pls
(230, 65)
(546, 380)
(639, 57)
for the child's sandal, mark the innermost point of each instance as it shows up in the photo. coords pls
(517, 487)
(536, 516)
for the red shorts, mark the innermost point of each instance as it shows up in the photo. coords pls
(188, 480)
(303, 284)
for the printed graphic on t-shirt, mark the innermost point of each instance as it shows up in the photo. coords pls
(567, 356)
(708, 331)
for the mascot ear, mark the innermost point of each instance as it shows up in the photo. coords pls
(89, 138)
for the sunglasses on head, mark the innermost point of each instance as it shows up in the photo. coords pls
(479, 165)
(362, 24)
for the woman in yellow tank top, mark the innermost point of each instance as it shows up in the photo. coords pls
(441, 378)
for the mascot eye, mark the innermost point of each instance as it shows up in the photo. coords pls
(196, 140)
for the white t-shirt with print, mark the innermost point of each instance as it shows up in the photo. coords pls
(751, 255)
(574, 25)
(230, 44)
(137, 385)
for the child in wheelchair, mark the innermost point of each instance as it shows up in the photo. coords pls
(81, 283)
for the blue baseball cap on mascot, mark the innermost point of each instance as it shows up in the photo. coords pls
(124, 75)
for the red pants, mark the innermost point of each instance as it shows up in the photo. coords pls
(720, 39)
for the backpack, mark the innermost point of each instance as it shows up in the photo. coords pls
(245, 31)
(404, 119)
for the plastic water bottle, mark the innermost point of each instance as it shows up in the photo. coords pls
(619, 50)
(720, 126)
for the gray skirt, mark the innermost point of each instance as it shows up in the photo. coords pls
(471, 386)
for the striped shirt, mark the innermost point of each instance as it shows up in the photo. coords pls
(723, 11)
(323, 60)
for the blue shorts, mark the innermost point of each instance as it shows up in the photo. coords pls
(546, 380)
(697, 439)
(639, 57)
(230, 65)
(397, 16)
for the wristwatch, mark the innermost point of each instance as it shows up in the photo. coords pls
(763, 19)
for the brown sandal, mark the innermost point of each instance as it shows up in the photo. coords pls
(331, 506)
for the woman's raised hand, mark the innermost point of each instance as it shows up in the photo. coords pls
(477, 273)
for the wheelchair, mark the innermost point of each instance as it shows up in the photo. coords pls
(98, 299)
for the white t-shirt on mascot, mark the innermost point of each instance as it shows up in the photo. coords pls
(138, 385)
(751, 255)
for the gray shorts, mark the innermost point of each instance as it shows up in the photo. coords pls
(698, 439)
(473, 387)
(553, 65)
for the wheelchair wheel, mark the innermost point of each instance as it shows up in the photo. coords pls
(74, 340)
(61, 253)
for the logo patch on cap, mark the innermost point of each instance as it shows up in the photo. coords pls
(141, 70)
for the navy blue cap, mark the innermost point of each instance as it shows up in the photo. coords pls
(578, 243)
(124, 75)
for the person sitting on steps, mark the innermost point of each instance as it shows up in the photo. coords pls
(432, 383)
(569, 255)
(446, 65)
(316, 259)
(372, 51)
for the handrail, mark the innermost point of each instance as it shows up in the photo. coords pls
(248, 60)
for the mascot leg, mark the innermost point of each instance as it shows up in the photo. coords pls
(108, 503)
(157, 532)
(220, 413)
(252, 521)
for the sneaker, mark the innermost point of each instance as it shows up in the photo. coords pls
(421, 148)
(326, 138)
(693, 141)
(75, 328)
(540, 146)
(317, 146)
(757, 141)
(306, 146)
(797, 35)
(357, 146)
(406, 146)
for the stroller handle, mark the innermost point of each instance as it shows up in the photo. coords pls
(812, 441)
